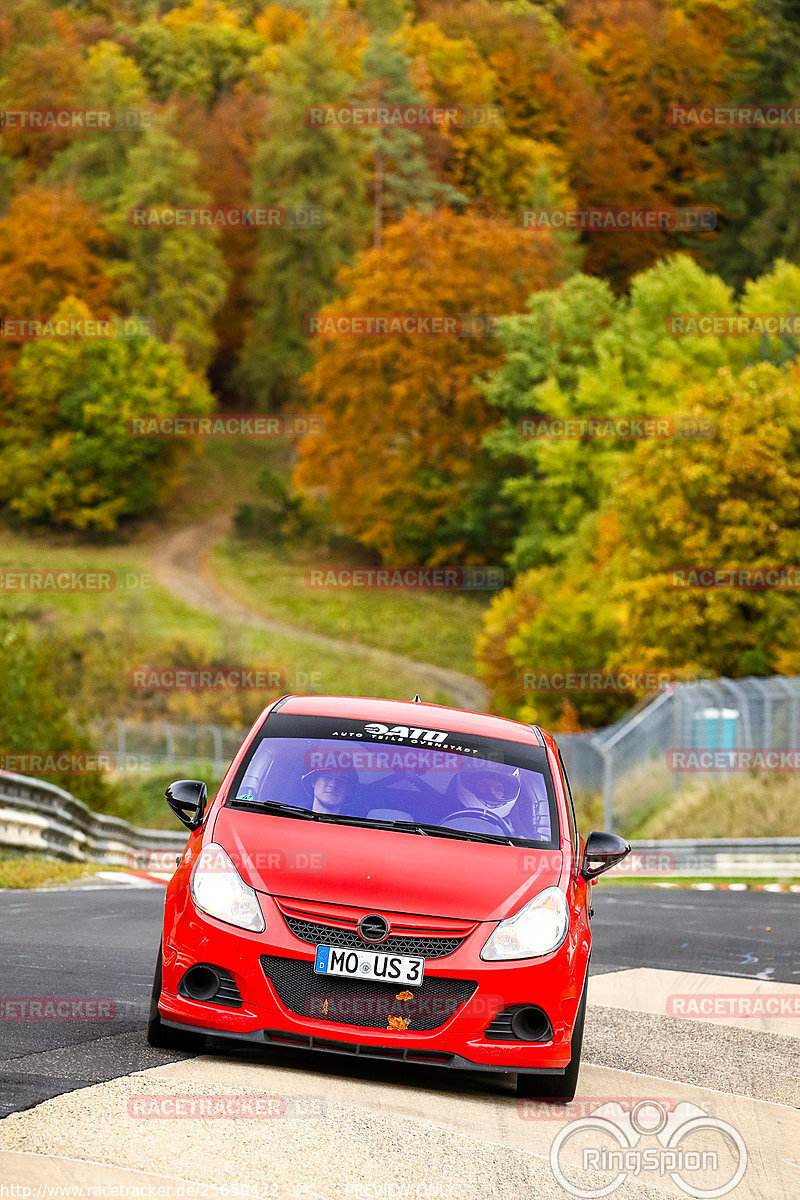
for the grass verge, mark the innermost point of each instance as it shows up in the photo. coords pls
(32, 872)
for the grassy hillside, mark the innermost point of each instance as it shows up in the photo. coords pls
(429, 626)
(739, 806)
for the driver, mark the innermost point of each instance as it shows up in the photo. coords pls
(494, 791)
(332, 792)
(487, 789)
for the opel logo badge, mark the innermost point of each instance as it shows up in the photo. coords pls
(373, 928)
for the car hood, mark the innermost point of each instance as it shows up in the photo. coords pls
(383, 869)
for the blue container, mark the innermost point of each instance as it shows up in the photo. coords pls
(715, 729)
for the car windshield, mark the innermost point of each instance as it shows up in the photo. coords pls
(467, 794)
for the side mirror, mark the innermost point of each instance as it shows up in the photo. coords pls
(188, 798)
(602, 851)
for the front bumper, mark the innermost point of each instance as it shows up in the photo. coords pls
(553, 983)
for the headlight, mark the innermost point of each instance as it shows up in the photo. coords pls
(536, 929)
(218, 889)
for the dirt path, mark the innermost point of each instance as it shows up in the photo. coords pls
(180, 563)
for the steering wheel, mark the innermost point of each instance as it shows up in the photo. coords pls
(485, 815)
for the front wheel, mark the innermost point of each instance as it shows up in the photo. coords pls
(559, 1087)
(161, 1036)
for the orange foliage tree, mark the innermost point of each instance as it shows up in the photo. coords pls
(43, 70)
(401, 459)
(51, 247)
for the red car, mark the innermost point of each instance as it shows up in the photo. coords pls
(399, 881)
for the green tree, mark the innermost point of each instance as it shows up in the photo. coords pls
(402, 176)
(733, 501)
(581, 353)
(624, 599)
(751, 171)
(34, 718)
(96, 163)
(67, 457)
(199, 51)
(174, 275)
(301, 166)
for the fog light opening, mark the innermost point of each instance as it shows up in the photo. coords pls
(201, 983)
(531, 1024)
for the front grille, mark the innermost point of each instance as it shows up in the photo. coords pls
(349, 939)
(357, 1002)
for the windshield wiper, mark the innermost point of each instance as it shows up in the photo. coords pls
(415, 827)
(305, 814)
(275, 806)
(461, 834)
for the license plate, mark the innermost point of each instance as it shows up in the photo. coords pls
(369, 964)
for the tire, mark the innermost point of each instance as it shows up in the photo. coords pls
(559, 1087)
(161, 1036)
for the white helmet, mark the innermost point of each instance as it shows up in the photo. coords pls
(493, 788)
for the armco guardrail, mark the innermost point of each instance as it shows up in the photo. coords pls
(740, 858)
(39, 818)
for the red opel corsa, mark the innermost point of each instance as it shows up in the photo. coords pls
(394, 880)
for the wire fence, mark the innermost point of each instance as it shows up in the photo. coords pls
(153, 747)
(690, 730)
